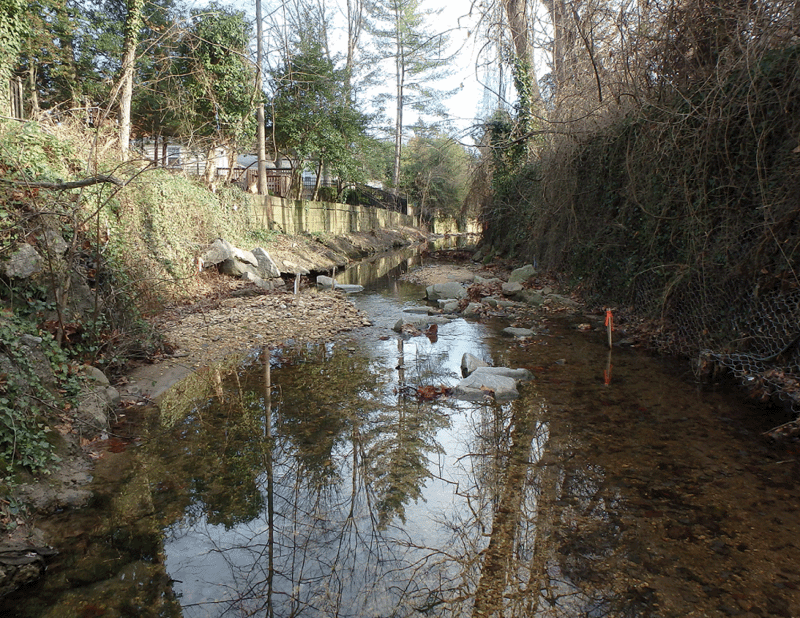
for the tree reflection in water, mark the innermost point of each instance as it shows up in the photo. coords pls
(305, 494)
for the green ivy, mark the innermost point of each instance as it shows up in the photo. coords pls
(25, 399)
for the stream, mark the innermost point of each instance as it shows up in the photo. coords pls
(332, 480)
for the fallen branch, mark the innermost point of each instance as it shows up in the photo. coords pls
(63, 186)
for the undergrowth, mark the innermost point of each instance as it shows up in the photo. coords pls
(108, 254)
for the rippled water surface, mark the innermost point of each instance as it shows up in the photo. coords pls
(315, 481)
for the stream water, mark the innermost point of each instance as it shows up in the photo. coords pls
(315, 481)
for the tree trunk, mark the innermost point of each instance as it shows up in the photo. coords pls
(518, 24)
(318, 183)
(398, 125)
(262, 132)
(133, 22)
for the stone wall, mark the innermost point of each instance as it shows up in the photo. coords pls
(297, 216)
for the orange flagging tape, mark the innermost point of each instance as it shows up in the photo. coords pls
(609, 319)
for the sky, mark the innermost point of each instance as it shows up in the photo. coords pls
(464, 106)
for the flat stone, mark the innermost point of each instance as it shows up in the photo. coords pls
(518, 332)
(451, 306)
(418, 310)
(478, 386)
(509, 289)
(500, 381)
(520, 375)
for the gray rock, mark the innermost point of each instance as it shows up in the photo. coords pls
(451, 289)
(510, 289)
(472, 309)
(477, 386)
(95, 375)
(518, 332)
(267, 266)
(94, 404)
(451, 306)
(488, 300)
(219, 251)
(235, 268)
(470, 363)
(532, 297)
(501, 382)
(522, 274)
(485, 281)
(56, 244)
(23, 263)
(418, 310)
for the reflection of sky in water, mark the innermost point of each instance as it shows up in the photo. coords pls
(316, 546)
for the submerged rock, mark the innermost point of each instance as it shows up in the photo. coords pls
(519, 332)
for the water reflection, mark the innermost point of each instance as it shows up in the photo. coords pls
(308, 481)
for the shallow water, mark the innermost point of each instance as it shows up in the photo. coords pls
(320, 484)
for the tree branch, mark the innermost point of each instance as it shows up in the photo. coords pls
(63, 186)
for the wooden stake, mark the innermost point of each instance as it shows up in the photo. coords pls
(609, 325)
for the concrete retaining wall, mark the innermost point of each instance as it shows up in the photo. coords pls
(448, 225)
(297, 216)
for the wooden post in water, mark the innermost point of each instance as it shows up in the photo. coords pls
(296, 283)
(609, 325)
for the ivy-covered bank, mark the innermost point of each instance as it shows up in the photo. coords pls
(90, 250)
(682, 212)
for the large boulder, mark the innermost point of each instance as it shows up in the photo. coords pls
(522, 274)
(451, 289)
(234, 268)
(267, 266)
(221, 250)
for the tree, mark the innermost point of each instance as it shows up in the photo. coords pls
(435, 173)
(215, 81)
(419, 57)
(133, 22)
(13, 25)
(313, 122)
